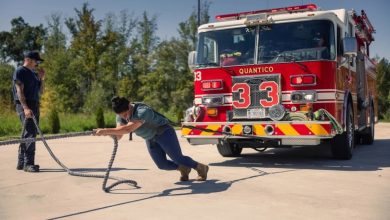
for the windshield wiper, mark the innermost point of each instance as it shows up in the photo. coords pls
(293, 59)
(207, 64)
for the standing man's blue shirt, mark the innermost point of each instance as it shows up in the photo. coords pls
(30, 81)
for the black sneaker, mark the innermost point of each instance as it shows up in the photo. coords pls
(20, 165)
(31, 168)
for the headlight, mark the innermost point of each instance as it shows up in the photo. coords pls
(303, 96)
(310, 97)
(212, 100)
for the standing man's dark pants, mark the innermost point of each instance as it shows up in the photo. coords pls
(26, 154)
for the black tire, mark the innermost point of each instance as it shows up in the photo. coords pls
(227, 149)
(343, 144)
(368, 136)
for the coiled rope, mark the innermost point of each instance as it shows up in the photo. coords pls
(70, 171)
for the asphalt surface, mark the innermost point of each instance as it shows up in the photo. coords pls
(300, 183)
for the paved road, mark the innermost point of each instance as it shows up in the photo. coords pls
(304, 183)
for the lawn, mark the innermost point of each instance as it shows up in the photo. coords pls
(10, 125)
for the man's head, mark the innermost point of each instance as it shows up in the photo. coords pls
(32, 59)
(120, 105)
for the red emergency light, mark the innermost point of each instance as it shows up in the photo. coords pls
(303, 80)
(290, 9)
(212, 85)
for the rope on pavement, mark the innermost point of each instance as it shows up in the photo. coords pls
(105, 177)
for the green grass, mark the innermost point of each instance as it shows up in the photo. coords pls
(10, 125)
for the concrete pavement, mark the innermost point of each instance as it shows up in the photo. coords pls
(303, 183)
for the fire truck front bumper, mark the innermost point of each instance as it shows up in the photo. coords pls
(285, 133)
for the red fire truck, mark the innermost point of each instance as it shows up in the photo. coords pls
(283, 77)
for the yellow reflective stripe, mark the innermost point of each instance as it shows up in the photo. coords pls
(211, 127)
(258, 130)
(317, 129)
(237, 129)
(185, 131)
(287, 129)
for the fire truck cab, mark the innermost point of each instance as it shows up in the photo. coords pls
(283, 77)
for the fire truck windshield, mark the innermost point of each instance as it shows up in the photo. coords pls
(284, 42)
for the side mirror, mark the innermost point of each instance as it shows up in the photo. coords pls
(192, 60)
(350, 46)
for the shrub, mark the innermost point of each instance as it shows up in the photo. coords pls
(99, 116)
(54, 121)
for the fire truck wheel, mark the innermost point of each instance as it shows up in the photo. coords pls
(227, 149)
(343, 144)
(368, 136)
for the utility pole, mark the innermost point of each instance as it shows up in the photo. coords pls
(198, 13)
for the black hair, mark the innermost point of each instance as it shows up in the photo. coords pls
(119, 104)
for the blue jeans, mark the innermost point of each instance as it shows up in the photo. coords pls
(167, 144)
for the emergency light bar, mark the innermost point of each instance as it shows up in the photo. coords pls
(298, 8)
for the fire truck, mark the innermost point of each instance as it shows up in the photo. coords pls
(283, 77)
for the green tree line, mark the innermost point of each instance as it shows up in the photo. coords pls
(118, 55)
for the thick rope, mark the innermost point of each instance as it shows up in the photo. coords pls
(69, 171)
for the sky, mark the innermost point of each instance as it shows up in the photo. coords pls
(171, 12)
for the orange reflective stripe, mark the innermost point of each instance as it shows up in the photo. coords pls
(317, 129)
(186, 131)
(258, 130)
(211, 127)
(287, 129)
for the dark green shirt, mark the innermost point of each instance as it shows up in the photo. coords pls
(153, 121)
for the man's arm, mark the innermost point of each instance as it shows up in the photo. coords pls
(120, 130)
(42, 89)
(22, 99)
(119, 125)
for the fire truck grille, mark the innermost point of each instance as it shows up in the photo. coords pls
(255, 110)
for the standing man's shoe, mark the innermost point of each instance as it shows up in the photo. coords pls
(19, 166)
(202, 172)
(184, 171)
(31, 168)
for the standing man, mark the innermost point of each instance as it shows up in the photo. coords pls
(160, 137)
(28, 84)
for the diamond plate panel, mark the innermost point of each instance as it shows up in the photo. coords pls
(255, 94)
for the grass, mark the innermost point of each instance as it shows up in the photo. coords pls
(10, 125)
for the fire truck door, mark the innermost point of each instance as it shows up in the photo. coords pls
(361, 90)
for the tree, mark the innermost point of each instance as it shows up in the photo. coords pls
(383, 85)
(114, 62)
(86, 46)
(142, 48)
(147, 41)
(63, 87)
(6, 71)
(183, 95)
(28, 38)
(161, 81)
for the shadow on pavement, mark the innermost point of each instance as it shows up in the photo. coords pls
(88, 169)
(365, 158)
(185, 188)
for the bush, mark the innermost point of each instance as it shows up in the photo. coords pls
(99, 116)
(54, 121)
